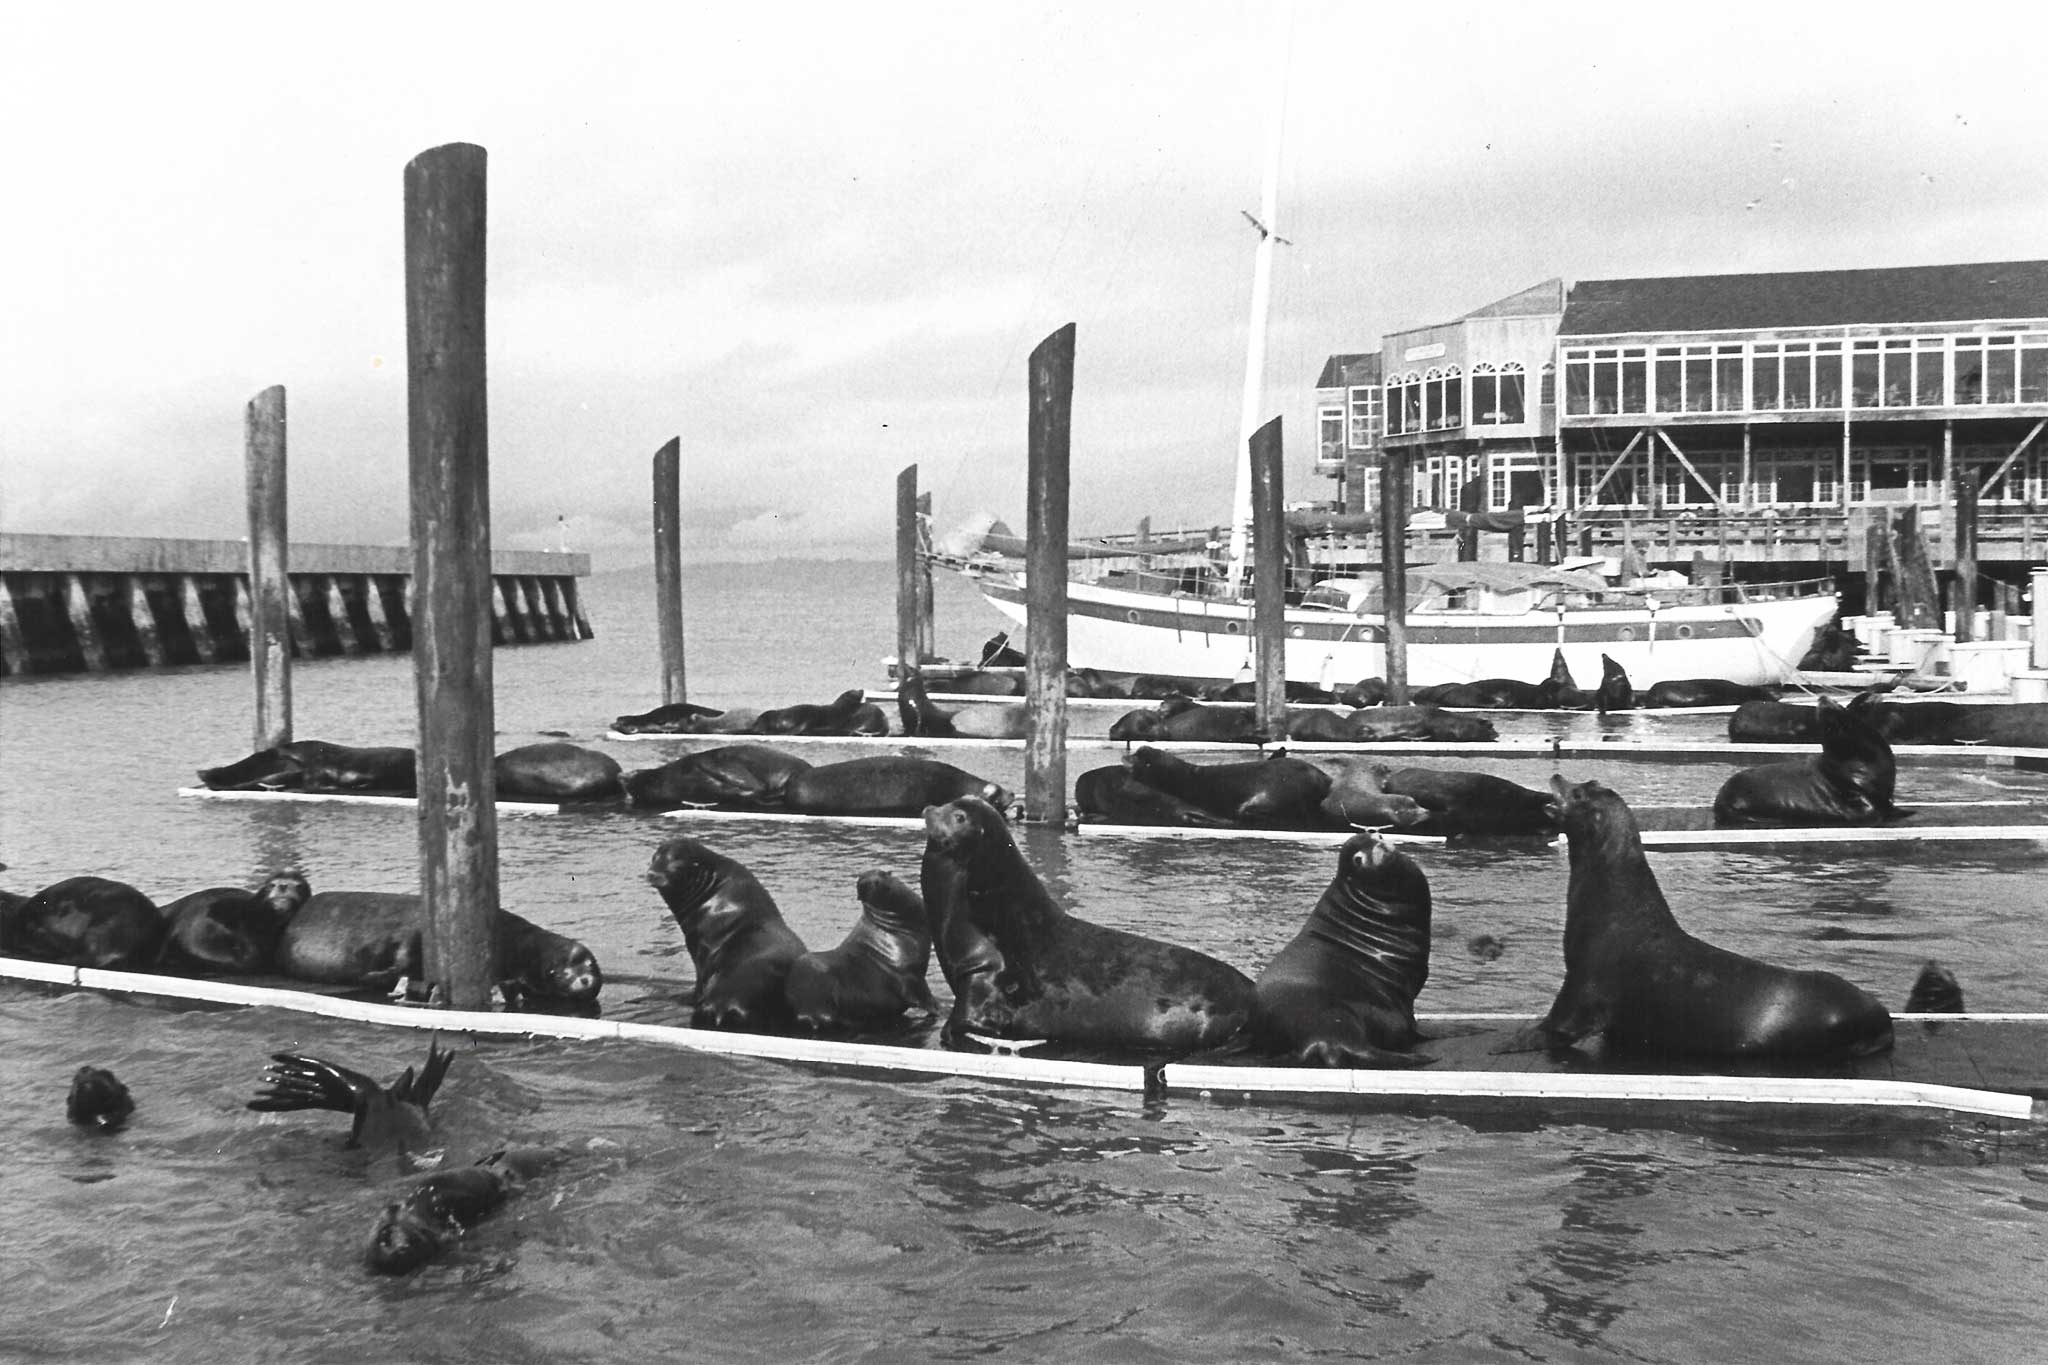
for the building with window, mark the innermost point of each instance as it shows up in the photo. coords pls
(1349, 427)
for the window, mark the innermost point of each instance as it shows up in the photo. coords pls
(1404, 404)
(1930, 372)
(1365, 417)
(1668, 379)
(1578, 383)
(1330, 435)
(2033, 358)
(1969, 371)
(1498, 398)
(1766, 377)
(1443, 399)
(1728, 378)
(1635, 380)
(2001, 361)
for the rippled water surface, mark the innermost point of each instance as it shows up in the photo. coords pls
(708, 1209)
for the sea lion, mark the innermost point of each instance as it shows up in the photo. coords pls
(446, 1205)
(1384, 724)
(1276, 793)
(1461, 802)
(97, 1100)
(1614, 692)
(227, 931)
(1565, 692)
(876, 973)
(316, 765)
(687, 718)
(1003, 720)
(2017, 724)
(1358, 799)
(86, 922)
(1632, 974)
(886, 784)
(744, 775)
(831, 718)
(1364, 692)
(1183, 718)
(738, 942)
(1112, 796)
(370, 940)
(1773, 722)
(1850, 781)
(1248, 691)
(1704, 692)
(1342, 993)
(1021, 967)
(1313, 725)
(1486, 694)
(1935, 991)
(554, 771)
(382, 1116)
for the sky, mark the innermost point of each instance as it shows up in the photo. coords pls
(817, 243)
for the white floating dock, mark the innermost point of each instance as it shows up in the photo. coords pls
(355, 799)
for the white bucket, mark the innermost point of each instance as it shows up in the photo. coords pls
(2030, 685)
(1910, 648)
(1986, 666)
(1869, 629)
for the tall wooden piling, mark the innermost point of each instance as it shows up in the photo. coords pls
(909, 638)
(1919, 601)
(668, 568)
(1965, 541)
(448, 439)
(927, 629)
(270, 588)
(1049, 447)
(1394, 495)
(1269, 583)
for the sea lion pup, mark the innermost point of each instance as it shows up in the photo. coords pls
(1935, 991)
(739, 943)
(877, 973)
(86, 922)
(229, 931)
(98, 1100)
(998, 720)
(1021, 967)
(446, 1205)
(1632, 974)
(381, 1116)
(1614, 692)
(1343, 992)
(1276, 792)
(1850, 781)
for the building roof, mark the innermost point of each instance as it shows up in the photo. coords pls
(1808, 298)
(1342, 371)
(1533, 302)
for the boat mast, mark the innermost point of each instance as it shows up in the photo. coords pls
(1249, 421)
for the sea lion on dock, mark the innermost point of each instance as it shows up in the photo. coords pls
(687, 718)
(1773, 722)
(886, 784)
(831, 718)
(1704, 692)
(383, 1116)
(1342, 993)
(1388, 724)
(876, 973)
(446, 1205)
(1021, 967)
(1486, 694)
(1181, 717)
(1632, 974)
(743, 775)
(1001, 720)
(97, 1100)
(1273, 793)
(1850, 781)
(1614, 692)
(227, 931)
(1359, 799)
(1112, 796)
(86, 922)
(317, 766)
(738, 941)
(1472, 804)
(1565, 692)
(370, 940)
(554, 771)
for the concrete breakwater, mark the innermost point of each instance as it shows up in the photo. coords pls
(78, 604)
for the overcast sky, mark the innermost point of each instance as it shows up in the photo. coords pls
(819, 242)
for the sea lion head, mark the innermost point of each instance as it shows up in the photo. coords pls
(1458, 729)
(1615, 693)
(1138, 726)
(285, 892)
(889, 902)
(403, 1241)
(1148, 764)
(687, 874)
(1372, 866)
(98, 1100)
(959, 826)
(1587, 809)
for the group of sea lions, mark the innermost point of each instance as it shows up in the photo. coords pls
(2017, 724)
(1342, 993)
(363, 940)
(850, 713)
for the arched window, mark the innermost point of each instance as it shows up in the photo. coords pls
(1404, 404)
(1498, 395)
(1443, 398)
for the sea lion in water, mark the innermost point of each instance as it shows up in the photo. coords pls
(227, 931)
(1632, 974)
(383, 1116)
(1850, 781)
(745, 775)
(554, 771)
(85, 922)
(370, 940)
(738, 941)
(1021, 967)
(876, 973)
(1342, 993)
(1277, 792)
(886, 784)
(446, 1205)
(1001, 720)
(1935, 991)
(98, 1101)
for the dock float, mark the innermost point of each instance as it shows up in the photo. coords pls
(355, 799)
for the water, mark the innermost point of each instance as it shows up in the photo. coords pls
(733, 1210)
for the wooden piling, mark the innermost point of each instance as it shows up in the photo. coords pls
(1269, 583)
(14, 656)
(1965, 541)
(1049, 446)
(909, 657)
(78, 605)
(668, 568)
(927, 629)
(270, 589)
(144, 620)
(1394, 496)
(1919, 604)
(448, 441)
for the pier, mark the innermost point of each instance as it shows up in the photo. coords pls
(94, 604)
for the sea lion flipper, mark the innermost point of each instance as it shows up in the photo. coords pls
(298, 1082)
(1534, 1037)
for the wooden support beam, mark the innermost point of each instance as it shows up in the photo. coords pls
(1394, 497)
(1269, 582)
(1619, 460)
(1719, 505)
(2007, 463)
(1964, 541)
(1049, 446)
(668, 569)
(270, 591)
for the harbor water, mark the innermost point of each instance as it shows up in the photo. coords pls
(709, 1209)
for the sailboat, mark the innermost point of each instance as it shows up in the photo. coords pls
(1182, 608)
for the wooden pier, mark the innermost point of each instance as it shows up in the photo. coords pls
(91, 604)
